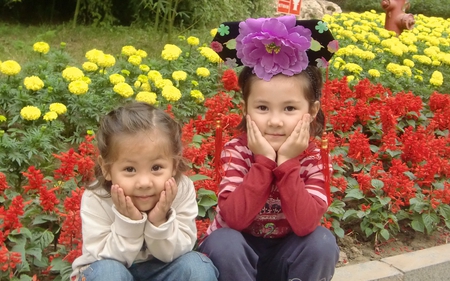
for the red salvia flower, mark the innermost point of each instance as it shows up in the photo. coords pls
(230, 80)
(35, 179)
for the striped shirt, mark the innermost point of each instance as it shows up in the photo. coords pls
(260, 198)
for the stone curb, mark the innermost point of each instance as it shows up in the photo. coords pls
(423, 265)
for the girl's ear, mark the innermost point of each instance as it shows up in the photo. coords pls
(315, 109)
(244, 109)
(104, 168)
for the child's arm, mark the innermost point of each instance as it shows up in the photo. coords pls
(243, 191)
(178, 234)
(303, 197)
(106, 233)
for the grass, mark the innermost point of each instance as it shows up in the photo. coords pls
(16, 41)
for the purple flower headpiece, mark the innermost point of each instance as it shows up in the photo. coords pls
(276, 45)
(273, 45)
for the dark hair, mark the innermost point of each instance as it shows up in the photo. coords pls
(130, 119)
(312, 87)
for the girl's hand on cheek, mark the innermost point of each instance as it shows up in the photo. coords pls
(123, 203)
(297, 142)
(158, 215)
(256, 141)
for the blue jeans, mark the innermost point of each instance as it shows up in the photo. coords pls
(192, 266)
(241, 256)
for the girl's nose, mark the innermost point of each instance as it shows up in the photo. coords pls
(144, 181)
(275, 120)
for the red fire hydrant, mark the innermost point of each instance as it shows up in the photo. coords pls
(396, 18)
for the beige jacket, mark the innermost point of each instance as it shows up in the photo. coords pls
(109, 235)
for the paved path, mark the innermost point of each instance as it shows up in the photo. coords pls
(432, 264)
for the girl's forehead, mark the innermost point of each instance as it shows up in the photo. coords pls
(278, 88)
(124, 143)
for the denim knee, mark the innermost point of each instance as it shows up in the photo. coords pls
(196, 266)
(105, 270)
(322, 243)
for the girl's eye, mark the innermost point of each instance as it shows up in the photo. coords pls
(156, 168)
(130, 169)
(262, 108)
(290, 108)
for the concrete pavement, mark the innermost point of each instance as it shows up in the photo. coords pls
(432, 264)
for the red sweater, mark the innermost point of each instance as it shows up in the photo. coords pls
(258, 197)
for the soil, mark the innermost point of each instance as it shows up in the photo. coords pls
(356, 250)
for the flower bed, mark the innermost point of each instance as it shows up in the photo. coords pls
(388, 116)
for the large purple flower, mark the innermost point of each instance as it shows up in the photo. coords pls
(273, 45)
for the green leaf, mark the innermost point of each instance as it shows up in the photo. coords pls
(349, 213)
(354, 194)
(384, 200)
(47, 237)
(199, 177)
(339, 232)
(315, 45)
(206, 192)
(43, 218)
(444, 210)
(207, 202)
(24, 277)
(22, 231)
(201, 211)
(368, 231)
(36, 252)
(377, 184)
(385, 234)
(231, 44)
(417, 226)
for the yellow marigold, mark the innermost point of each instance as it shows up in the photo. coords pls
(50, 116)
(128, 50)
(194, 83)
(350, 78)
(57, 107)
(353, 67)
(30, 113)
(41, 47)
(171, 93)
(10, 68)
(193, 41)
(90, 66)
(161, 83)
(146, 87)
(142, 78)
(2, 118)
(213, 32)
(72, 73)
(94, 55)
(33, 83)
(125, 72)
(137, 84)
(144, 67)
(171, 52)
(408, 62)
(374, 73)
(135, 60)
(154, 75)
(196, 94)
(141, 53)
(418, 77)
(210, 54)
(106, 60)
(123, 89)
(179, 75)
(202, 71)
(78, 87)
(436, 78)
(86, 79)
(147, 97)
(116, 79)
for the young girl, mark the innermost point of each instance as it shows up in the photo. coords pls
(272, 195)
(138, 220)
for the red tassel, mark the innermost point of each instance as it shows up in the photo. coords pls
(324, 150)
(324, 153)
(218, 146)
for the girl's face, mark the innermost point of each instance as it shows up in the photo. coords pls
(142, 164)
(276, 106)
